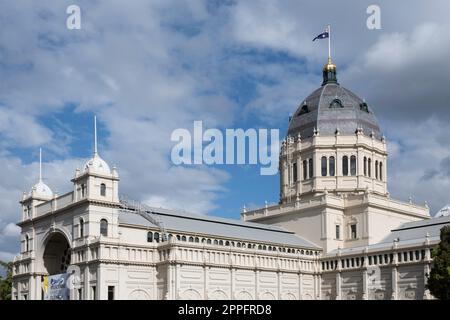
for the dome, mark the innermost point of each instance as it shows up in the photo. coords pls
(444, 212)
(330, 108)
(97, 165)
(41, 190)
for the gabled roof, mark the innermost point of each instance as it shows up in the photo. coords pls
(215, 226)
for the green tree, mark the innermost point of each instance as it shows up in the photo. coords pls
(439, 279)
(6, 283)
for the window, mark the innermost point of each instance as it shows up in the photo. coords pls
(80, 294)
(376, 169)
(110, 292)
(324, 166)
(27, 243)
(345, 165)
(365, 166)
(353, 165)
(150, 237)
(294, 171)
(156, 237)
(83, 190)
(338, 231)
(311, 168)
(332, 166)
(353, 231)
(28, 211)
(303, 110)
(369, 167)
(81, 226)
(381, 171)
(103, 190)
(305, 170)
(93, 292)
(104, 227)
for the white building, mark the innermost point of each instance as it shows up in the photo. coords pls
(336, 233)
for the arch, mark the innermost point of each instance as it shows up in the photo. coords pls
(307, 296)
(305, 170)
(353, 165)
(56, 254)
(369, 168)
(244, 295)
(81, 228)
(191, 294)
(139, 294)
(218, 295)
(365, 166)
(381, 171)
(104, 227)
(310, 168)
(267, 296)
(103, 190)
(27, 243)
(324, 166)
(289, 296)
(376, 169)
(345, 165)
(149, 236)
(332, 166)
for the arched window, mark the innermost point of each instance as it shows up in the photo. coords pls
(376, 169)
(345, 165)
(369, 167)
(305, 170)
(81, 226)
(191, 239)
(381, 171)
(353, 165)
(103, 190)
(27, 243)
(104, 227)
(208, 241)
(324, 166)
(332, 166)
(183, 238)
(365, 166)
(156, 237)
(294, 171)
(311, 168)
(150, 236)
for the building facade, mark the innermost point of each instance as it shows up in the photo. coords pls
(335, 234)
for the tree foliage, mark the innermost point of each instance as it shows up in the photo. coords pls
(439, 279)
(6, 283)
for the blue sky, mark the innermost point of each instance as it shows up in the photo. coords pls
(150, 67)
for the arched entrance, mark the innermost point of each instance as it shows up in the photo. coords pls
(56, 254)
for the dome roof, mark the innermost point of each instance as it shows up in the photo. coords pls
(97, 165)
(444, 212)
(41, 190)
(333, 107)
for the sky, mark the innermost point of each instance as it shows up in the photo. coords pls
(146, 68)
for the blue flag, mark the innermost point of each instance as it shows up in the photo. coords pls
(323, 35)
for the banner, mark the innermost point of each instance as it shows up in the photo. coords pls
(56, 287)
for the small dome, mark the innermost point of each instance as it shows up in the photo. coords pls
(444, 212)
(41, 190)
(97, 165)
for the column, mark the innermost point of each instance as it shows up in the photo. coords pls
(365, 293)
(394, 284)
(256, 284)
(300, 286)
(338, 286)
(233, 284)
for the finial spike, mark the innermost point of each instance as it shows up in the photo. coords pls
(40, 164)
(95, 135)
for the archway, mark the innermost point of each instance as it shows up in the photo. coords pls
(56, 254)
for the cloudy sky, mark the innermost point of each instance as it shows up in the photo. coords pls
(146, 68)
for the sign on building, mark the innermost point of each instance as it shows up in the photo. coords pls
(56, 287)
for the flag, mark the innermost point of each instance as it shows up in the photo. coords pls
(323, 35)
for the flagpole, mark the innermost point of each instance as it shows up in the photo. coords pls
(329, 42)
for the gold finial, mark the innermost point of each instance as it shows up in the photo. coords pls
(329, 66)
